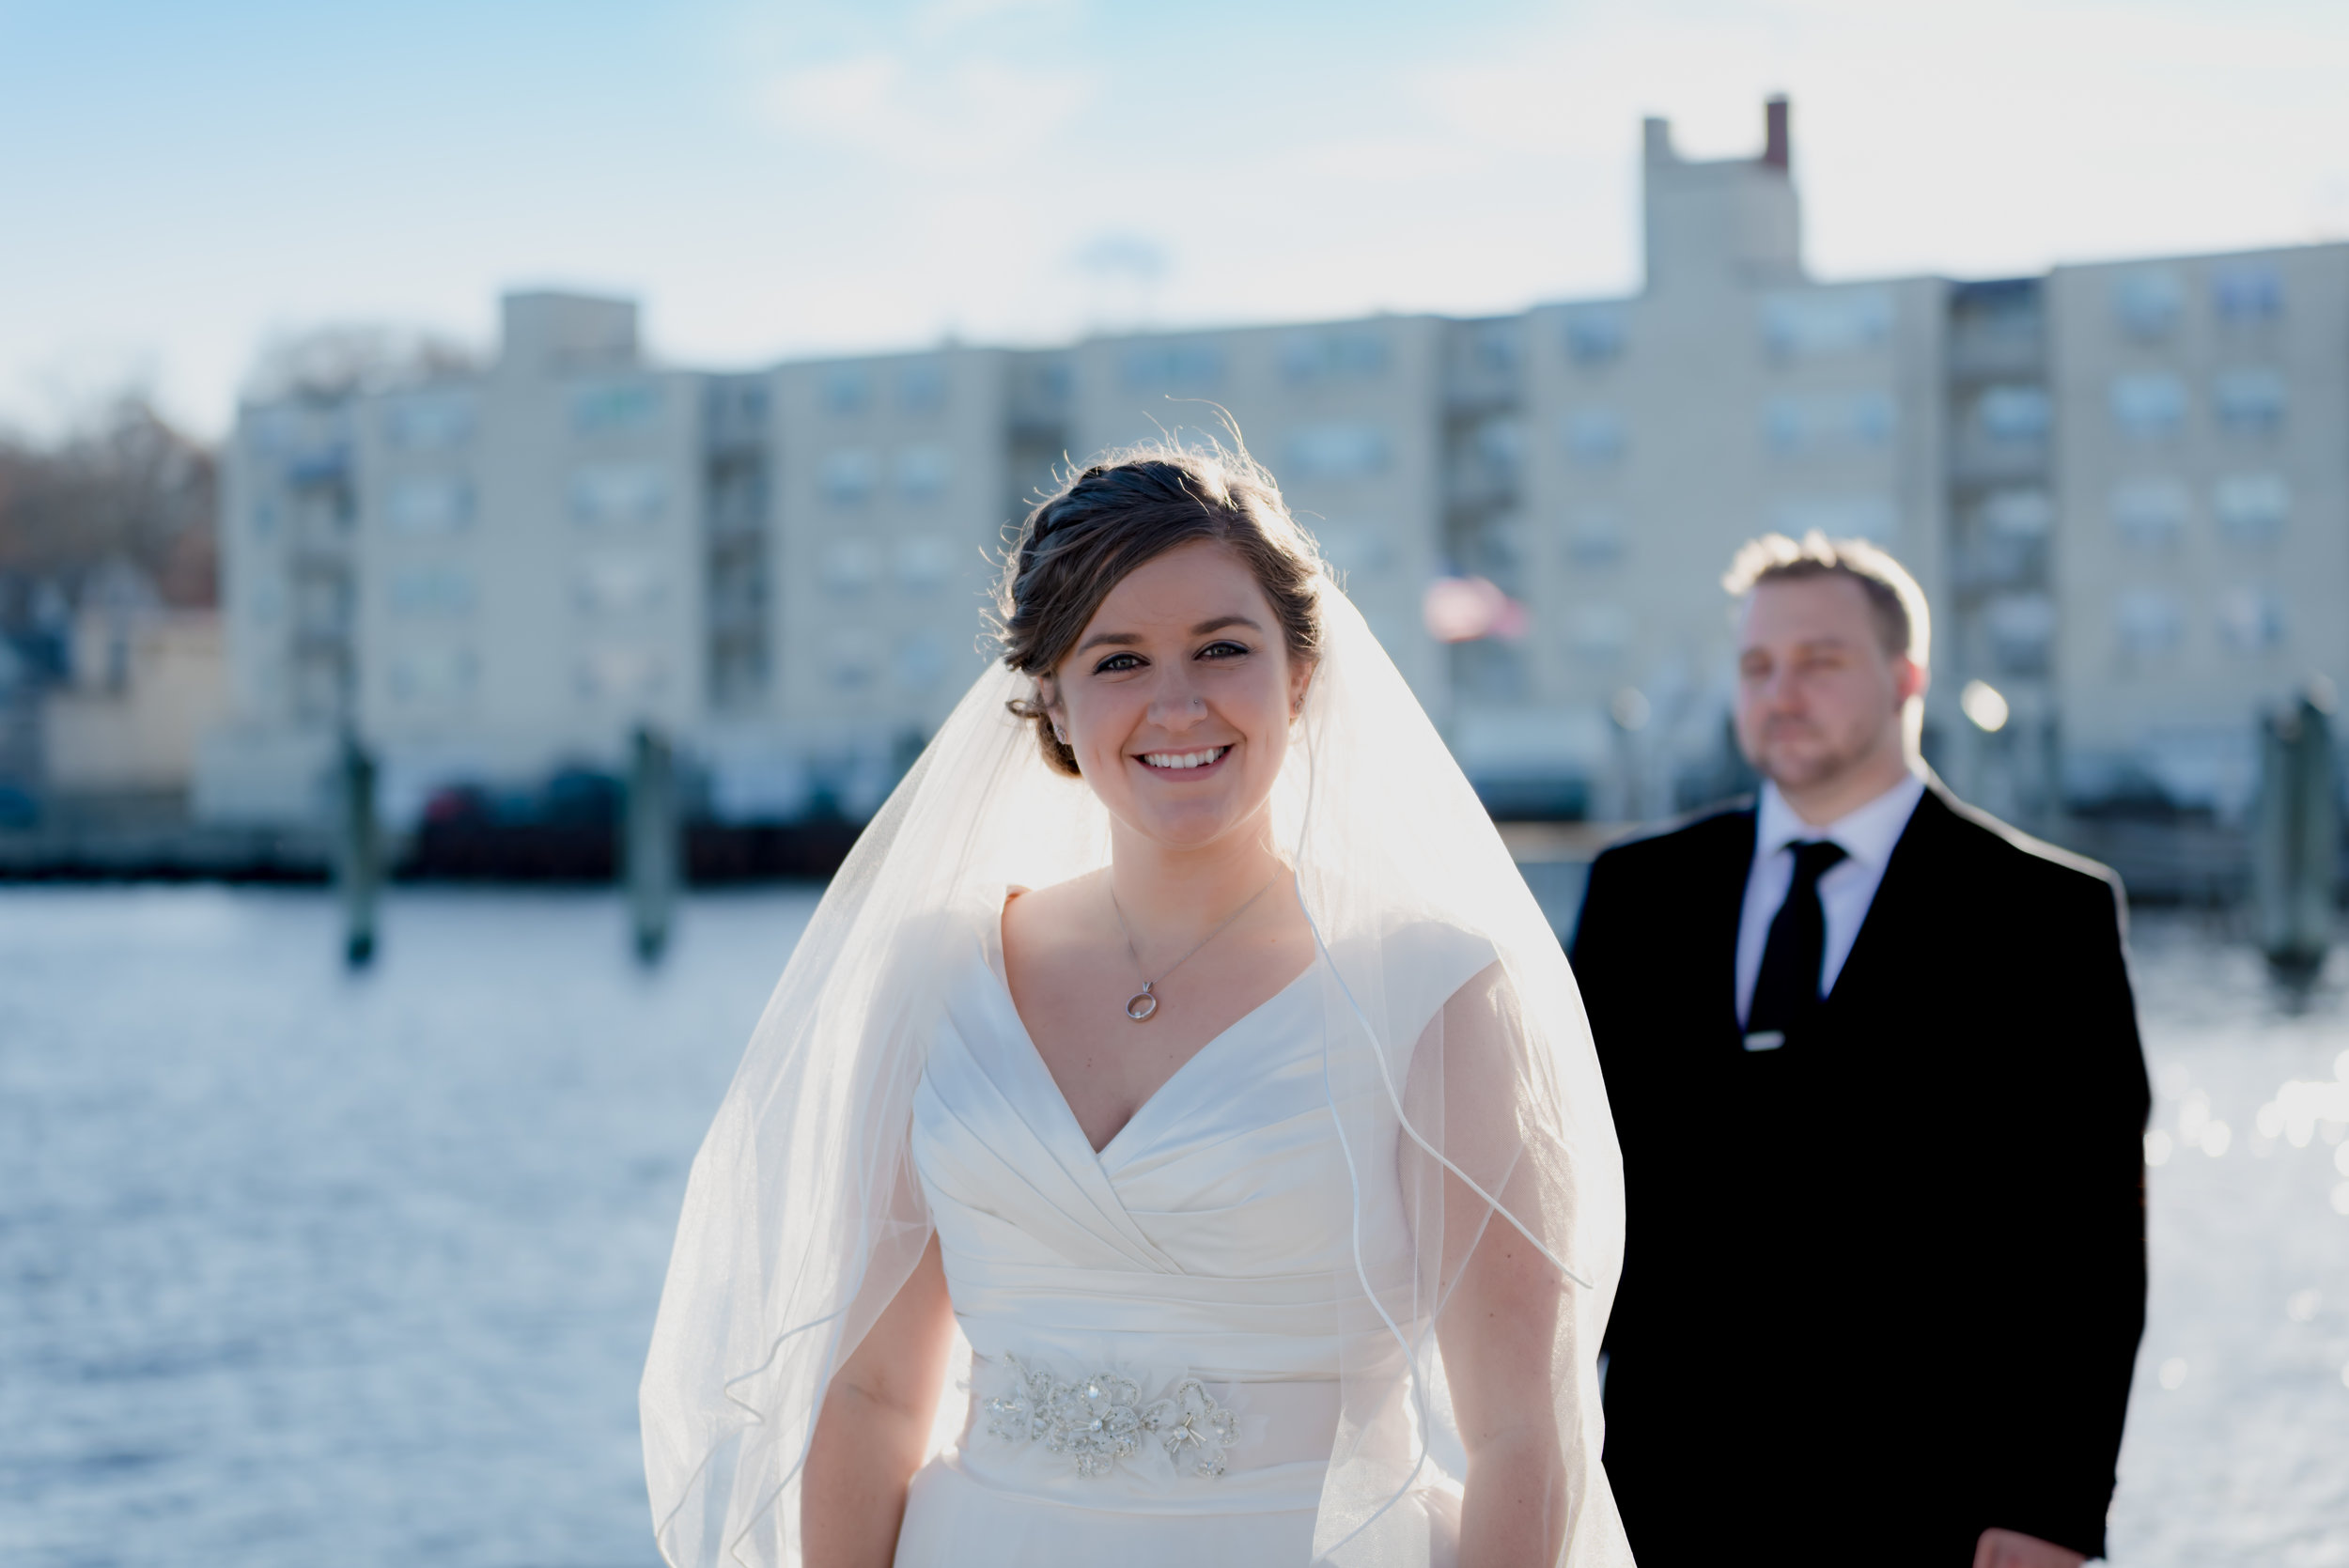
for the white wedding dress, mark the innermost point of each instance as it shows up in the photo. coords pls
(1156, 1329)
(1245, 1279)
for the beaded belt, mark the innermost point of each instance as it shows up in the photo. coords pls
(1101, 1420)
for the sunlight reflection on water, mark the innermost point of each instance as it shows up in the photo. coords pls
(302, 1268)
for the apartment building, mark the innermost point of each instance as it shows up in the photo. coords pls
(2121, 486)
(2201, 410)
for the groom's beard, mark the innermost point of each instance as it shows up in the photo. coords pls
(1800, 753)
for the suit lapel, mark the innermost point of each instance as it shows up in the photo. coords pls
(1902, 902)
(1726, 908)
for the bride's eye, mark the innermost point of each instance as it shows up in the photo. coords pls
(1222, 650)
(1117, 663)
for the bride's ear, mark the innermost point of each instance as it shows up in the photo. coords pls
(1301, 683)
(1047, 698)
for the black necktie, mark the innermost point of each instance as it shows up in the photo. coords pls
(1787, 991)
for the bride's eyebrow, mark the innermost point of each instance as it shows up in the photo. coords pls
(1129, 638)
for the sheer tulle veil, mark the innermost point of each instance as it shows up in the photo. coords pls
(802, 1218)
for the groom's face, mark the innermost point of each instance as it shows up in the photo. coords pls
(1819, 694)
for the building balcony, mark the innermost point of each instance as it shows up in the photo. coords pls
(1474, 489)
(1995, 564)
(1983, 356)
(1974, 462)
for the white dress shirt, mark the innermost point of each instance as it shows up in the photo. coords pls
(1846, 889)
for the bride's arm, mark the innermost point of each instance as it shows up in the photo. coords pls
(1497, 1335)
(1500, 1328)
(875, 1427)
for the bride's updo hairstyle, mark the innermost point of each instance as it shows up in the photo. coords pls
(1129, 508)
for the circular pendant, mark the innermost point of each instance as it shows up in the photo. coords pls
(1142, 1005)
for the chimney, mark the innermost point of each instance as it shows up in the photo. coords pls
(1777, 145)
(1655, 140)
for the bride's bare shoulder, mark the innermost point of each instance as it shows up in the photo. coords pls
(1046, 917)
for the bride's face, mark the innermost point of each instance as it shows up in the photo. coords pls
(1178, 696)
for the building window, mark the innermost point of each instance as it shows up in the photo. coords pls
(851, 566)
(1600, 634)
(1344, 356)
(2146, 301)
(846, 390)
(613, 407)
(1337, 452)
(1497, 446)
(2250, 621)
(1355, 548)
(610, 585)
(2150, 406)
(2149, 621)
(851, 666)
(419, 677)
(1596, 438)
(434, 421)
(1174, 367)
(618, 495)
(1823, 423)
(2014, 415)
(922, 386)
(2244, 294)
(2023, 514)
(430, 592)
(620, 672)
(1596, 335)
(923, 473)
(1594, 537)
(925, 561)
(2022, 628)
(428, 505)
(847, 477)
(2249, 402)
(1496, 351)
(1818, 324)
(2252, 508)
(919, 663)
(1876, 518)
(2149, 513)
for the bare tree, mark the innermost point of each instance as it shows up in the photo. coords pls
(335, 361)
(122, 484)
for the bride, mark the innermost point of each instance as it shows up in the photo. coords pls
(1244, 1193)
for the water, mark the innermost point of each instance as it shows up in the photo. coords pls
(297, 1267)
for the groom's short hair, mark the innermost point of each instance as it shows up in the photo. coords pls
(1902, 616)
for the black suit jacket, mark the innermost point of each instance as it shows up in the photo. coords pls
(1883, 1287)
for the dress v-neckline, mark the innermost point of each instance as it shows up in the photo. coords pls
(1059, 1097)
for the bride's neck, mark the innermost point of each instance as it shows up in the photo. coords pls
(1171, 893)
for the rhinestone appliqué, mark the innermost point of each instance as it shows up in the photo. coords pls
(1098, 1421)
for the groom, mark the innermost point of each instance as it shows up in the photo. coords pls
(1875, 1062)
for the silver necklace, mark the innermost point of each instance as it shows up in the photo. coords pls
(1143, 1004)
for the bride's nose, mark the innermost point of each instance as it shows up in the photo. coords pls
(1177, 703)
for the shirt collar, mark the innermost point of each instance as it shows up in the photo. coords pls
(1867, 833)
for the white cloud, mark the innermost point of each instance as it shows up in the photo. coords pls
(940, 18)
(968, 116)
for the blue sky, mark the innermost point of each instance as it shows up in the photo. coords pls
(182, 181)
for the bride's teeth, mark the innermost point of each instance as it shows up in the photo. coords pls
(1184, 759)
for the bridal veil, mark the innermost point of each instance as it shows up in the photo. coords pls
(803, 1216)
